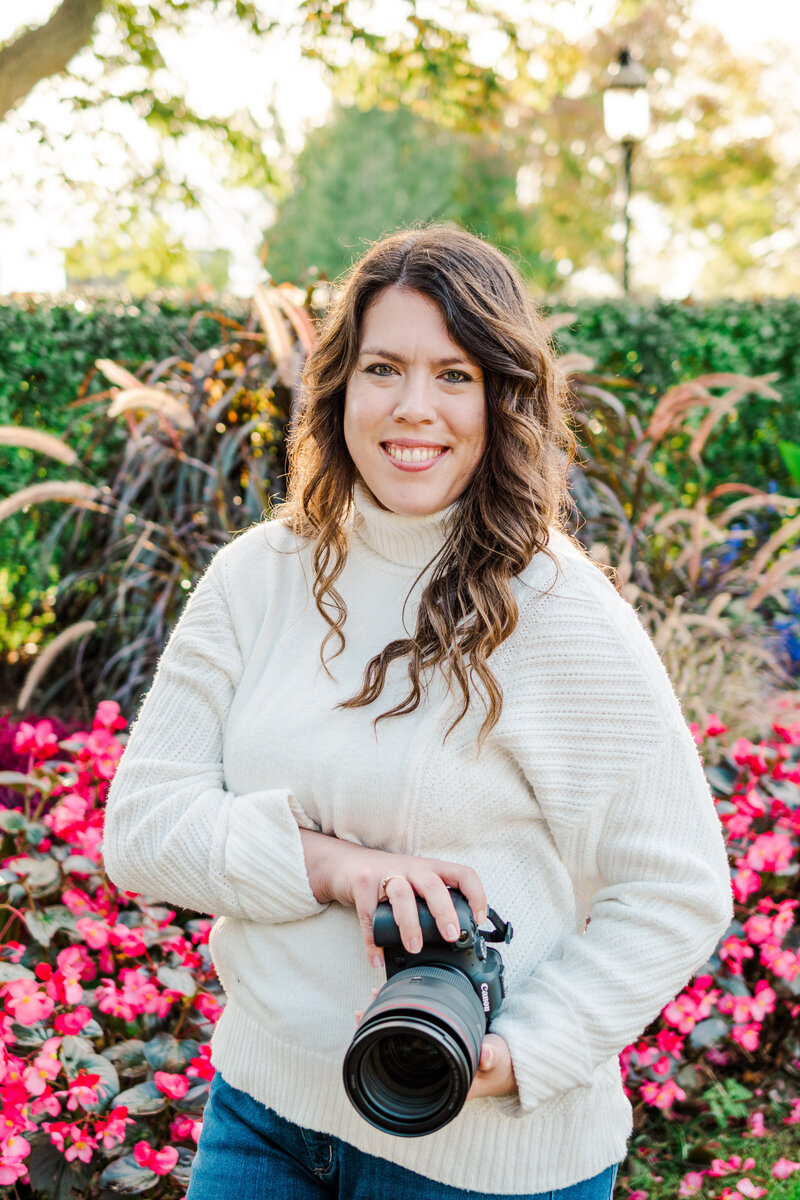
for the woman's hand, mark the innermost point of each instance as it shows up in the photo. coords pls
(352, 874)
(495, 1074)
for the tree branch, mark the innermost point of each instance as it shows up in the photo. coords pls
(39, 53)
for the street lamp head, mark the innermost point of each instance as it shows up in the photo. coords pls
(626, 107)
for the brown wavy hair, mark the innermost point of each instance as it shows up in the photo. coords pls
(519, 488)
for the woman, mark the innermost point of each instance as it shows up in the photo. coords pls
(410, 679)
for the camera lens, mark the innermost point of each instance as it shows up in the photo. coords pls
(413, 1058)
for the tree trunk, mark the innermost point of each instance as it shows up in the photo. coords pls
(45, 51)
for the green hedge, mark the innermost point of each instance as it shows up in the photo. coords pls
(47, 350)
(661, 344)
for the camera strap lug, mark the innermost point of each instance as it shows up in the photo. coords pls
(503, 930)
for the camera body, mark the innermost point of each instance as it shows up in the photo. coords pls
(412, 1060)
(470, 955)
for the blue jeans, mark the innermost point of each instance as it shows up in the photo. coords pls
(246, 1149)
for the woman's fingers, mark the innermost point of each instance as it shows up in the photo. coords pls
(468, 883)
(403, 899)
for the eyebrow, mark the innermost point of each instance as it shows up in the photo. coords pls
(441, 362)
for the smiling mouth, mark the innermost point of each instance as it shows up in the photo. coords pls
(413, 454)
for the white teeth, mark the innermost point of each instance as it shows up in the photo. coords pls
(418, 454)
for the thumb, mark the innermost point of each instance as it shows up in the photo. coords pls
(487, 1057)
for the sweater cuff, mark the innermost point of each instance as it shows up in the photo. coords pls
(264, 860)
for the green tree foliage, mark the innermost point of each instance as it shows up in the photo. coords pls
(368, 171)
(143, 256)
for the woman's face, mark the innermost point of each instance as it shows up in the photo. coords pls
(415, 407)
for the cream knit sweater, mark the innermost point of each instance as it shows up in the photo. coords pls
(587, 800)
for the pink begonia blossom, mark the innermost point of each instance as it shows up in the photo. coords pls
(756, 1126)
(722, 1166)
(73, 1022)
(747, 755)
(111, 1131)
(26, 1003)
(129, 939)
(794, 1115)
(669, 1042)
(83, 1090)
(83, 1144)
(759, 928)
(39, 739)
(734, 952)
(747, 1035)
(691, 1183)
(769, 852)
(174, 1086)
(208, 1005)
(46, 1104)
(93, 932)
(744, 883)
(749, 1008)
(661, 1095)
(784, 1167)
(77, 902)
(160, 1162)
(183, 1127)
(783, 963)
(70, 811)
(107, 716)
(201, 1066)
(750, 1190)
(639, 1194)
(714, 726)
(692, 1005)
(103, 751)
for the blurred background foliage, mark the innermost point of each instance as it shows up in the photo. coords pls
(667, 486)
(507, 109)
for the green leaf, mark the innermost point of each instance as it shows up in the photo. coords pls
(11, 971)
(79, 864)
(180, 1172)
(30, 1037)
(722, 778)
(178, 980)
(790, 453)
(126, 1055)
(47, 922)
(194, 1100)
(124, 1175)
(12, 820)
(20, 783)
(165, 1053)
(52, 1176)
(42, 874)
(144, 1098)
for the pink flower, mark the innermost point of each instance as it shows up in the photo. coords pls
(744, 883)
(794, 1115)
(184, 1127)
(769, 852)
(108, 717)
(38, 740)
(691, 1183)
(69, 812)
(756, 1126)
(208, 1005)
(752, 1191)
(83, 1145)
(747, 1035)
(784, 1167)
(160, 1162)
(174, 1086)
(661, 1095)
(112, 1130)
(201, 1066)
(72, 1022)
(26, 1003)
(714, 726)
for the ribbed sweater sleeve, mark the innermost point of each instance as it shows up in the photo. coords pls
(172, 830)
(619, 780)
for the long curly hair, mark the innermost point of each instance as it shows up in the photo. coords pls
(518, 490)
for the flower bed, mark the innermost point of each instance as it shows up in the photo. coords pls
(108, 1002)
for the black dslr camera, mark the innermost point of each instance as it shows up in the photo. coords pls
(411, 1063)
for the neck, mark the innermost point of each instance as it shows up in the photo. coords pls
(408, 540)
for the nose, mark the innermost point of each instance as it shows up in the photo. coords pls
(415, 402)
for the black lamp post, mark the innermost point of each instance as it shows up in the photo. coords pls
(626, 115)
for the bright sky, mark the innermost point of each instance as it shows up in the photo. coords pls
(224, 70)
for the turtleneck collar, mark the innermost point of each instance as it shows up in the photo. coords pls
(406, 540)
